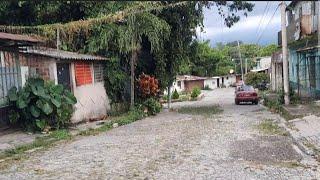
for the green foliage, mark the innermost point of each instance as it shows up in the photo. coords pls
(152, 106)
(268, 50)
(40, 104)
(175, 94)
(206, 87)
(201, 110)
(195, 92)
(115, 81)
(254, 78)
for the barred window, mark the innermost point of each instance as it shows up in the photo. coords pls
(98, 72)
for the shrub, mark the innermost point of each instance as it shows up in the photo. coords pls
(253, 78)
(152, 106)
(206, 87)
(175, 94)
(148, 86)
(195, 92)
(40, 104)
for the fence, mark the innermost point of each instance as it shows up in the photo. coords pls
(10, 76)
(308, 74)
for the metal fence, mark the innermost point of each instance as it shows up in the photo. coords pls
(10, 76)
(308, 74)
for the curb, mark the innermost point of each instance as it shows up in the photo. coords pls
(292, 135)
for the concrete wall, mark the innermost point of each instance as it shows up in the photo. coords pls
(189, 85)
(93, 101)
(211, 82)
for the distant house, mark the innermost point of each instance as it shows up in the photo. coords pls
(187, 83)
(80, 73)
(263, 64)
(303, 47)
(222, 81)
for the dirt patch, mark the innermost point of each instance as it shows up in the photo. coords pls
(265, 150)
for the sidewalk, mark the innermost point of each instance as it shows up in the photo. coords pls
(305, 128)
(12, 138)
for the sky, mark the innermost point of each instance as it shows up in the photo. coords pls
(248, 29)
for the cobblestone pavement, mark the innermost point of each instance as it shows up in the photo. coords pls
(175, 146)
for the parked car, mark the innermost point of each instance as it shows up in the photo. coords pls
(262, 86)
(246, 93)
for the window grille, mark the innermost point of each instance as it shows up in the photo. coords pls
(98, 72)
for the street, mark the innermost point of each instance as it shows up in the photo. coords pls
(172, 145)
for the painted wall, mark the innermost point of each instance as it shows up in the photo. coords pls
(211, 82)
(93, 102)
(189, 85)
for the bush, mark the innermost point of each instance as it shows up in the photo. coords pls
(206, 87)
(195, 92)
(39, 105)
(253, 78)
(148, 86)
(152, 106)
(175, 94)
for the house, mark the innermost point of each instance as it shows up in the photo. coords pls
(212, 82)
(276, 71)
(303, 47)
(10, 72)
(187, 83)
(263, 65)
(222, 81)
(80, 73)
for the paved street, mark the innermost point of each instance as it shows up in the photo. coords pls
(175, 146)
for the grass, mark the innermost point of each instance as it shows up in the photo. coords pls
(269, 127)
(18, 153)
(201, 110)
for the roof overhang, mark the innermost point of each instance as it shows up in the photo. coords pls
(17, 40)
(60, 54)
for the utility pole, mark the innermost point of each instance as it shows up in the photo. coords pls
(58, 43)
(246, 71)
(240, 61)
(285, 54)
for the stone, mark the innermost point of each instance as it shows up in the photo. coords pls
(115, 125)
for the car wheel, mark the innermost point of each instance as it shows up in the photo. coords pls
(255, 102)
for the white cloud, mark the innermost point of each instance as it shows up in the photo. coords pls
(249, 23)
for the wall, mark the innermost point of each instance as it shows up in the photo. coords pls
(93, 101)
(211, 82)
(229, 80)
(175, 86)
(189, 85)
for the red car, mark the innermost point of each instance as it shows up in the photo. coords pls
(246, 93)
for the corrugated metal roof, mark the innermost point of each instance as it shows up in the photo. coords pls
(18, 37)
(190, 77)
(59, 54)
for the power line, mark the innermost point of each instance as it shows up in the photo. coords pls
(268, 24)
(264, 11)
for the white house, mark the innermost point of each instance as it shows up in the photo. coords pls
(263, 64)
(212, 82)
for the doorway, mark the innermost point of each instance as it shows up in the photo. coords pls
(63, 74)
(218, 83)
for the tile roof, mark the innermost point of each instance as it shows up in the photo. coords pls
(8, 39)
(59, 54)
(189, 77)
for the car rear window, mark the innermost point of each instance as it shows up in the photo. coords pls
(247, 88)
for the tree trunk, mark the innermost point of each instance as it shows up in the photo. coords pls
(169, 97)
(132, 64)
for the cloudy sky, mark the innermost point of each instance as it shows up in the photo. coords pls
(248, 29)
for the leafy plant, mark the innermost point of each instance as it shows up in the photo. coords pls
(254, 78)
(175, 94)
(206, 87)
(152, 106)
(195, 92)
(148, 86)
(41, 104)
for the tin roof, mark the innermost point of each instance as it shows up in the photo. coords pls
(190, 78)
(8, 39)
(60, 54)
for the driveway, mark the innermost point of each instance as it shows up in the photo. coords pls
(175, 146)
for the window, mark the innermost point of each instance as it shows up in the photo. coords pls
(98, 72)
(179, 84)
(83, 73)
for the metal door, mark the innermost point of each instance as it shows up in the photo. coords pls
(63, 73)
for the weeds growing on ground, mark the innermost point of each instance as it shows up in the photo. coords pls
(269, 127)
(201, 110)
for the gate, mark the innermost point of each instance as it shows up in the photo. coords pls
(10, 76)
